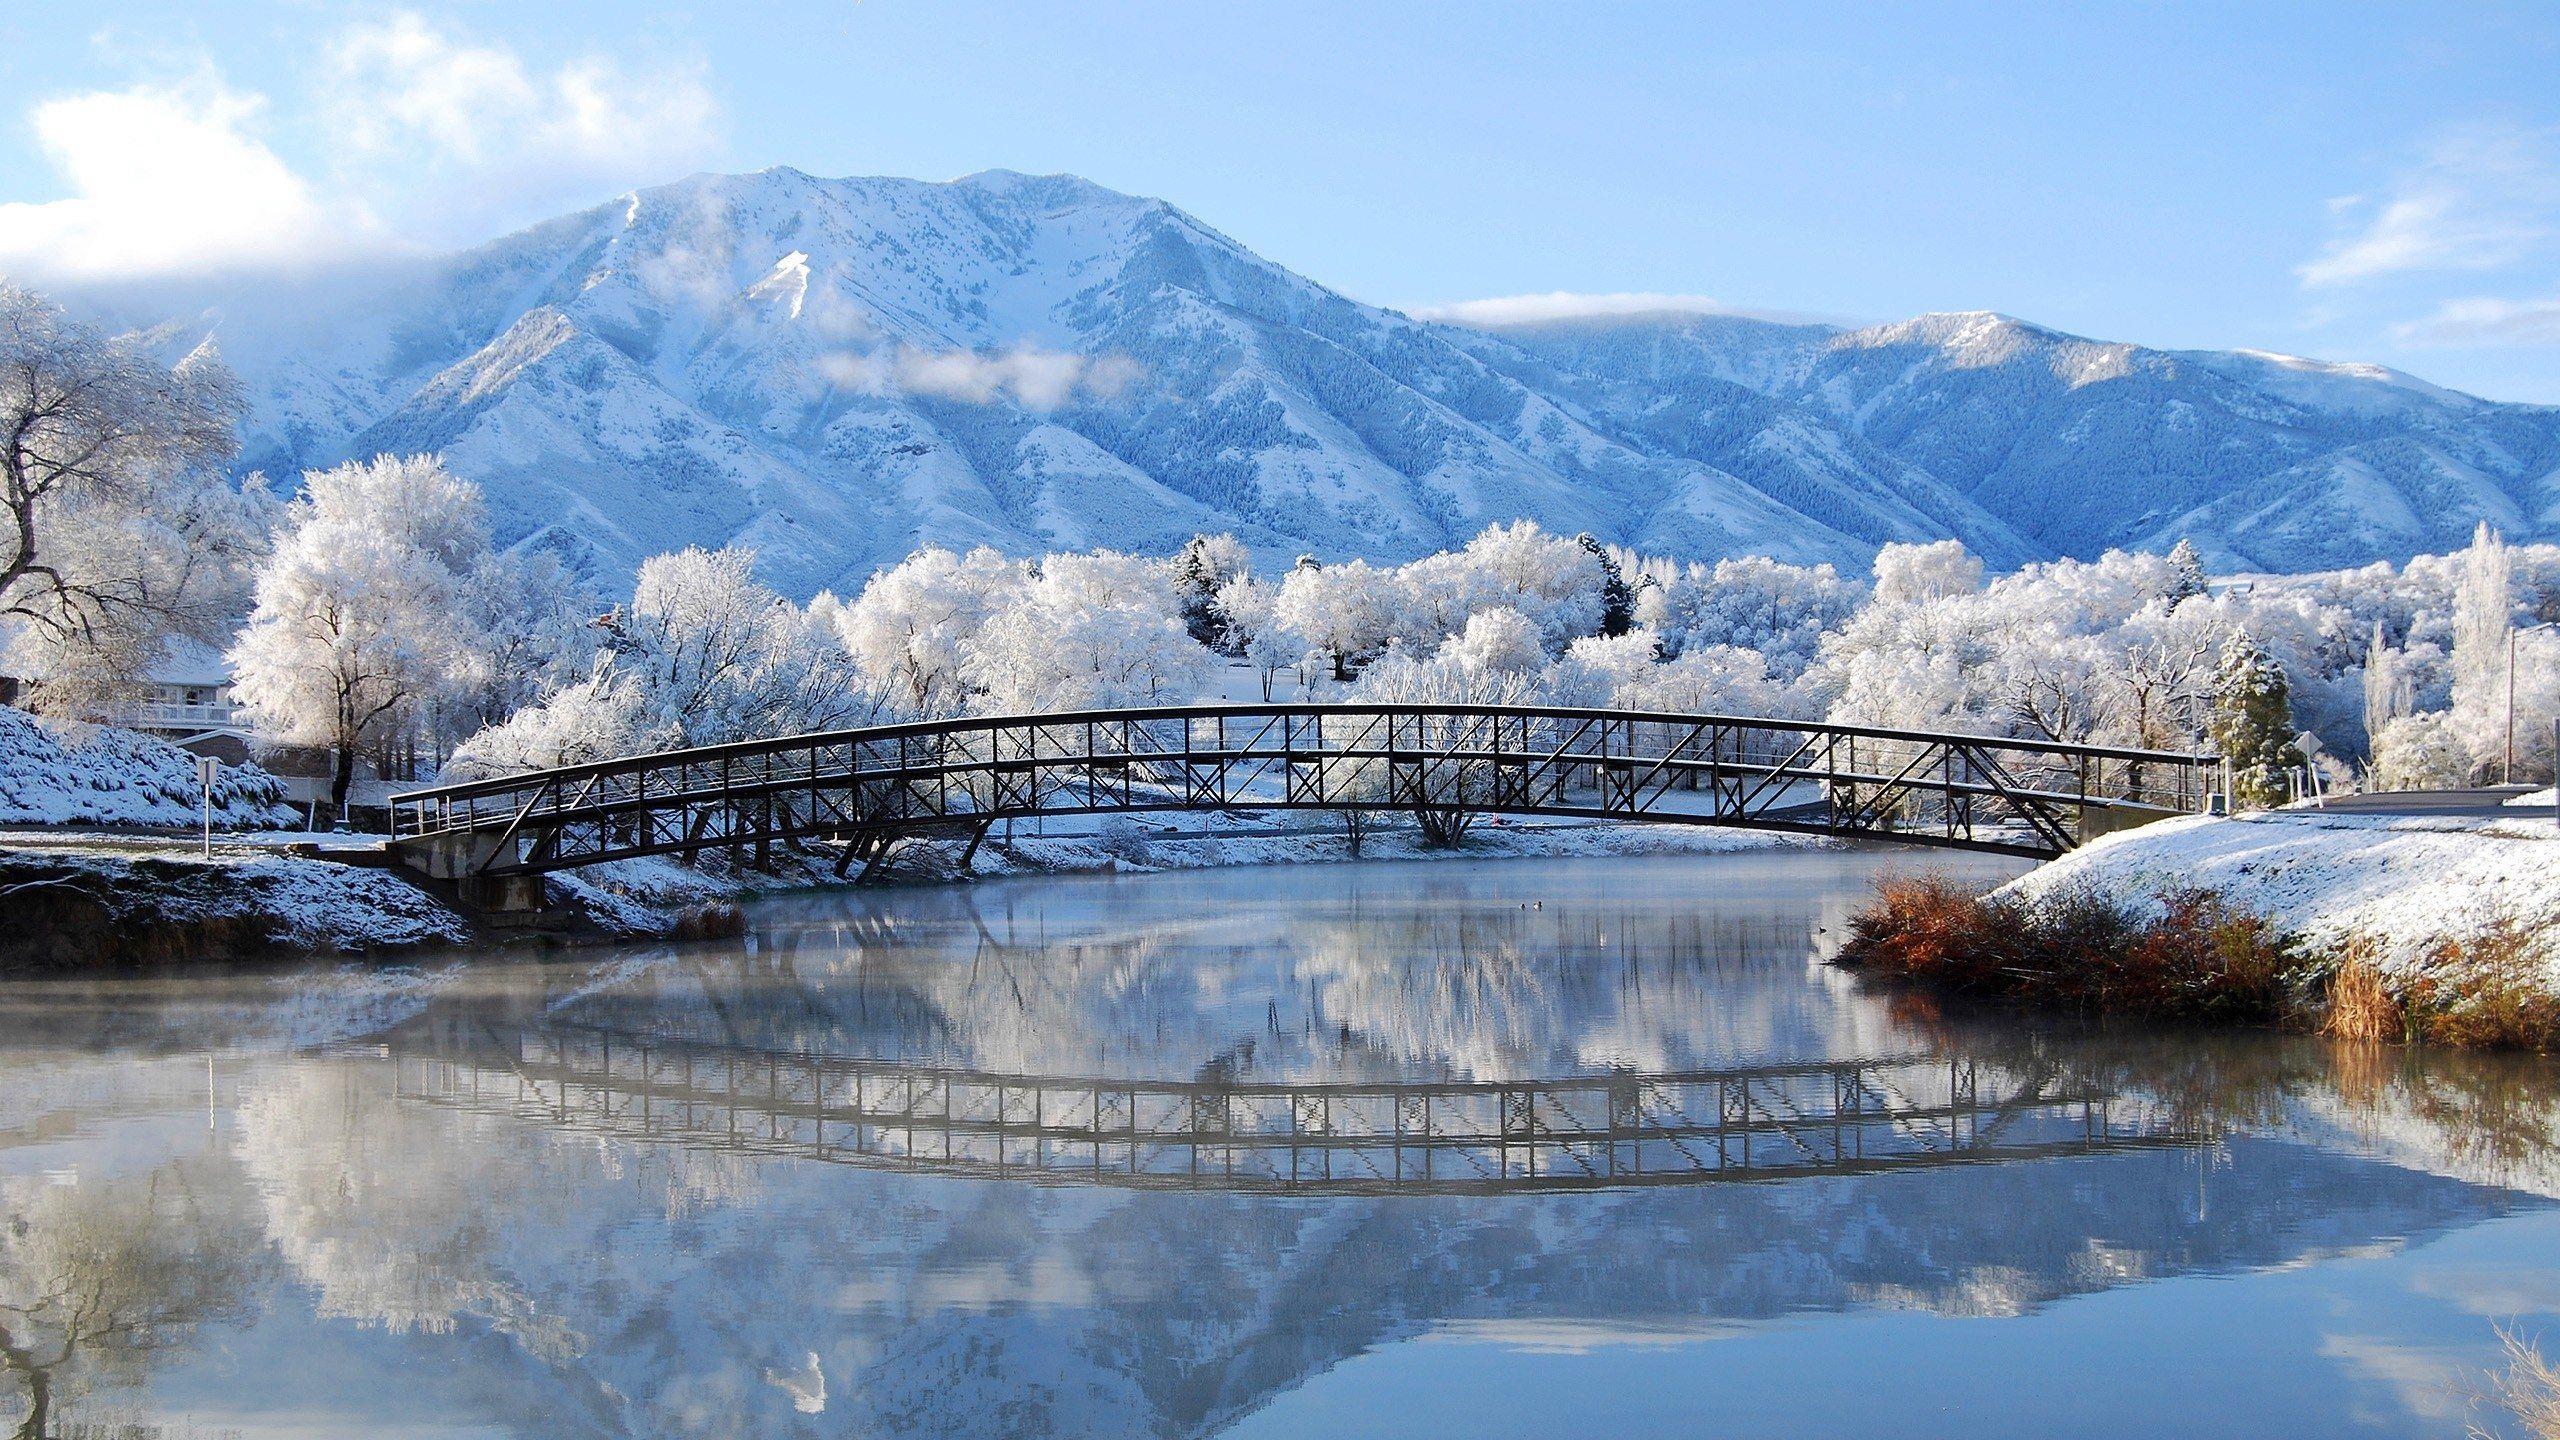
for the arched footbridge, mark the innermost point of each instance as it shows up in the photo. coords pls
(869, 788)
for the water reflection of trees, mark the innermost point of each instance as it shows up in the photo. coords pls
(2487, 1117)
(597, 1282)
(99, 1281)
(1341, 992)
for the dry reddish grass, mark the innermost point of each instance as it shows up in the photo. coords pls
(2198, 958)
(2361, 1005)
(710, 922)
(2487, 992)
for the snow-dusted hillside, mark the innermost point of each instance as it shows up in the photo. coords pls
(836, 371)
(2268, 462)
(60, 773)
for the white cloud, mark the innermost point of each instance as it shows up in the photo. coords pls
(412, 133)
(1565, 305)
(164, 179)
(1035, 378)
(2427, 1384)
(2486, 320)
(411, 104)
(2479, 199)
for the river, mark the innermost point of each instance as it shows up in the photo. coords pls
(1504, 1148)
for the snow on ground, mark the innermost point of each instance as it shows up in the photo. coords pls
(57, 773)
(1190, 842)
(302, 904)
(644, 896)
(2407, 883)
(2539, 799)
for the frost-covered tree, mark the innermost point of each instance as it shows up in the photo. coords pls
(1711, 680)
(1088, 632)
(913, 624)
(117, 526)
(2483, 613)
(2420, 752)
(720, 657)
(354, 636)
(1917, 574)
(529, 626)
(1558, 583)
(702, 655)
(1780, 610)
(1596, 667)
(600, 717)
(2388, 691)
(1899, 689)
(1446, 799)
(1346, 613)
(1247, 606)
(2058, 690)
(2537, 682)
(1497, 641)
(2253, 721)
(2162, 680)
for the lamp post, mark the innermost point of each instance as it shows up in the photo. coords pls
(2509, 774)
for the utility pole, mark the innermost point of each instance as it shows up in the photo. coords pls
(207, 768)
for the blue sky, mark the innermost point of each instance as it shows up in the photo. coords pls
(2351, 182)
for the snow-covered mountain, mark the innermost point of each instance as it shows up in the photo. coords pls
(836, 371)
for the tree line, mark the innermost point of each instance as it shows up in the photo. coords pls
(374, 615)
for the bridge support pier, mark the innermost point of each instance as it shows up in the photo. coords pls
(497, 895)
(871, 847)
(501, 900)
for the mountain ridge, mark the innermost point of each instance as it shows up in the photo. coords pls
(839, 370)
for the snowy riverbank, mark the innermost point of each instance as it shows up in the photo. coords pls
(2404, 884)
(92, 898)
(74, 907)
(647, 897)
(59, 773)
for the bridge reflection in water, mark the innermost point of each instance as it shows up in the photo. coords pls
(1460, 1137)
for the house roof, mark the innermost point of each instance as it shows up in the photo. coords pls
(188, 662)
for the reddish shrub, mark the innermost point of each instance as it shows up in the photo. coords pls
(2198, 957)
(2487, 992)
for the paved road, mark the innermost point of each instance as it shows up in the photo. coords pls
(2484, 804)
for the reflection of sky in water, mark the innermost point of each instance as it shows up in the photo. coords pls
(2317, 1242)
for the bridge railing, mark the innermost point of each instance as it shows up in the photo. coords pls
(1559, 760)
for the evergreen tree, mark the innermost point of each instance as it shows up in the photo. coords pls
(1617, 597)
(1200, 571)
(2187, 577)
(1197, 587)
(2252, 721)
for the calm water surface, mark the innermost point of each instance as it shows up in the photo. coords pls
(1458, 1149)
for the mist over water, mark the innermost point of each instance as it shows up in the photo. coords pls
(1459, 1148)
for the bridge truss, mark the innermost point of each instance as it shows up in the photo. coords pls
(870, 787)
